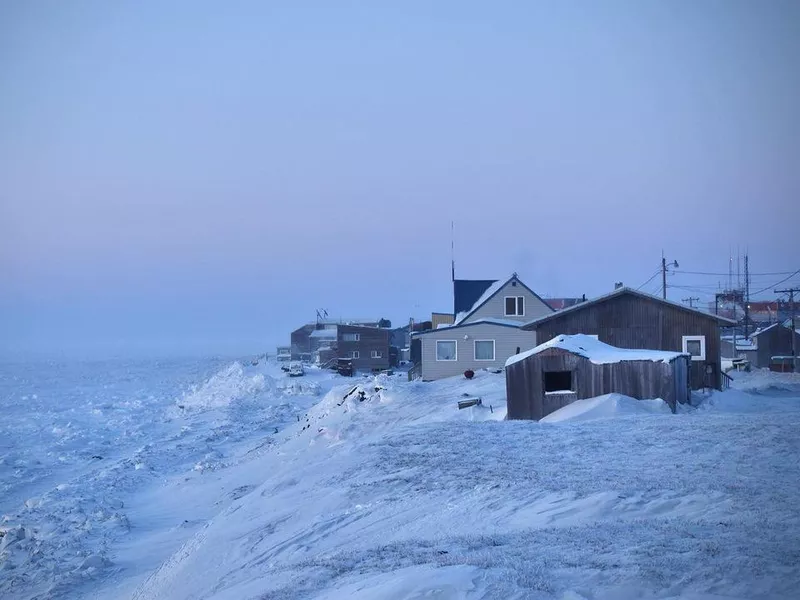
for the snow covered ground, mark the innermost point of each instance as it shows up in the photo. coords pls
(395, 493)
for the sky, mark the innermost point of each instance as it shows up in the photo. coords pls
(200, 177)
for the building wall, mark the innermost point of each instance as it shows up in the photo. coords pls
(495, 308)
(301, 341)
(638, 379)
(629, 321)
(507, 340)
(372, 338)
(441, 319)
(775, 342)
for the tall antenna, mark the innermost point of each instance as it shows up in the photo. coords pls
(452, 251)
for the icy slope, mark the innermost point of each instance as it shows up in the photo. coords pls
(403, 496)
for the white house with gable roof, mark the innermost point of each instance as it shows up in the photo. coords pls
(486, 330)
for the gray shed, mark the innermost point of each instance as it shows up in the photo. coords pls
(575, 367)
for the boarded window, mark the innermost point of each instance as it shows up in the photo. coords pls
(445, 350)
(557, 381)
(351, 337)
(484, 349)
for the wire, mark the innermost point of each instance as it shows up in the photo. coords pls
(774, 284)
(726, 274)
(651, 279)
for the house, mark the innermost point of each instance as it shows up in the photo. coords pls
(574, 367)
(438, 318)
(628, 318)
(283, 353)
(368, 347)
(775, 340)
(304, 345)
(485, 331)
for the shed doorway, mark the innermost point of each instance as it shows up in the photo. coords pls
(557, 381)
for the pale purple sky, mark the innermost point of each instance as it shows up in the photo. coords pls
(201, 176)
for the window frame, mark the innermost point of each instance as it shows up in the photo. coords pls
(356, 337)
(376, 354)
(694, 338)
(455, 353)
(355, 354)
(475, 351)
(517, 301)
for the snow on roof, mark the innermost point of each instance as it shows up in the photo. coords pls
(490, 291)
(486, 321)
(619, 292)
(596, 351)
(324, 333)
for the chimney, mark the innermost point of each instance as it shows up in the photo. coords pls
(617, 285)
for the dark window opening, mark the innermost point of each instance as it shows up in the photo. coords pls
(557, 381)
(511, 306)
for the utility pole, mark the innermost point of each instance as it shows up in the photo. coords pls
(690, 300)
(664, 266)
(747, 296)
(791, 292)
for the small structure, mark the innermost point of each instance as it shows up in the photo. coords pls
(763, 345)
(628, 318)
(574, 367)
(284, 353)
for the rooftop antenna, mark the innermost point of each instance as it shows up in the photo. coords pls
(452, 251)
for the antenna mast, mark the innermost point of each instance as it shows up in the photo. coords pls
(452, 252)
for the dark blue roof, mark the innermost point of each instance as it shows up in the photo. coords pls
(466, 293)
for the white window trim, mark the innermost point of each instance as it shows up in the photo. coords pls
(355, 354)
(695, 338)
(516, 306)
(455, 359)
(475, 351)
(376, 354)
(356, 337)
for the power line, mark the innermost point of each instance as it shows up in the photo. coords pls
(775, 284)
(726, 274)
(651, 278)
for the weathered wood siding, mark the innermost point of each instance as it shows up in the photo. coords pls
(527, 399)
(775, 342)
(629, 321)
(495, 308)
(506, 342)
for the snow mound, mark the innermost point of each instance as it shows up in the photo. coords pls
(227, 386)
(604, 407)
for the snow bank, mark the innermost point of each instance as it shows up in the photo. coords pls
(596, 351)
(228, 385)
(605, 407)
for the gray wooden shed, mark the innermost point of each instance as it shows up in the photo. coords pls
(574, 367)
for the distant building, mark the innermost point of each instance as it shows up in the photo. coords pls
(763, 345)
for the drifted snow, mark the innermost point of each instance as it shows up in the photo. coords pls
(606, 406)
(596, 351)
(401, 495)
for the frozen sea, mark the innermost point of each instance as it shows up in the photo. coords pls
(83, 443)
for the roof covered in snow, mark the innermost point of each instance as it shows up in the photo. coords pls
(596, 351)
(620, 292)
(324, 333)
(486, 321)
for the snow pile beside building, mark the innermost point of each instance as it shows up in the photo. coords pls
(605, 407)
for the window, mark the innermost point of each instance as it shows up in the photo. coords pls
(557, 381)
(515, 306)
(355, 354)
(695, 345)
(484, 349)
(376, 354)
(445, 350)
(351, 337)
